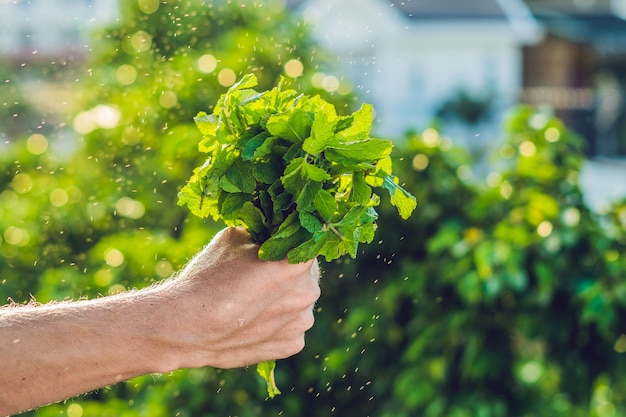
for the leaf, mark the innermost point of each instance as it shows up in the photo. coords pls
(350, 240)
(333, 247)
(247, 81)
(208, 125)
(354, 152)
(315, 173)
(265, 148)
(306, 197)
(276, 249)
(358, 215)
(249, 150)
(253, 219)
(292, 178)
(400, 198)
(307, 250)
(232, 204)
(359, 128)
(322, 130)
(282, 202)
(294, 125)
(198, 204)
(294, 151)
(310, 222)
(266, 172)
(266, 370)
(365, 233)
(240, 176)
(289, 227)
(325, 204)
(361, 193)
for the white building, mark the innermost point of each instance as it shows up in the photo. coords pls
(39, 29)
(410, 57)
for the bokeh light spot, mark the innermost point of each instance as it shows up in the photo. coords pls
(538, 121)
(148, 6)
(116, 289)
(344, 88)
(130, 208)
(506, 189)
(571, 216)
(83, 123)
(126, 74)
(330, 83)
(207, 63)
(22, 183)
(420, 162)
(294, 68)
(8, 198)
(168, 99)
(16, 236)
(430, 137)
(103, 277)
(527, 148)
(103, 116)
(531, 372)
(226, 77)
(59, 197)
(113, 257)
(74, 410)
(164, 268)
(106, 117)
(141, 41)
(317, 79)
(544, 229)
(552, 134)
(37, 144)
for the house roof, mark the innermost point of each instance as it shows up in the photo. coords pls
(570, 7)
(512, 13)
(450, 9)
(606, 32)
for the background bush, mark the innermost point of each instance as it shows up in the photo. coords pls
(502, 297)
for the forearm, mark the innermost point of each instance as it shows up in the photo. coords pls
(57, 351)
(225, 309)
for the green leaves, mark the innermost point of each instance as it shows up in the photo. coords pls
(266, 370)
(400, 198)
(293, 126)
(296, 175)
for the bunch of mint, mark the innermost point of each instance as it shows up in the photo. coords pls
(297, 176)
(291, 171)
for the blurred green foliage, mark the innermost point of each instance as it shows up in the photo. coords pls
(502, 297)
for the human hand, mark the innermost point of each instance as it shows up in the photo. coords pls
(229, 309)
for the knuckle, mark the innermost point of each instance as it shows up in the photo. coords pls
(308, 321)
(293, 347)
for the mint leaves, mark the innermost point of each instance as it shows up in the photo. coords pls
(299, 177)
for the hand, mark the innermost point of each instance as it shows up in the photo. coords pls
(225, 309)
(228, 309)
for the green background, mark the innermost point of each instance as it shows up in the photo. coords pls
(502, 297)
